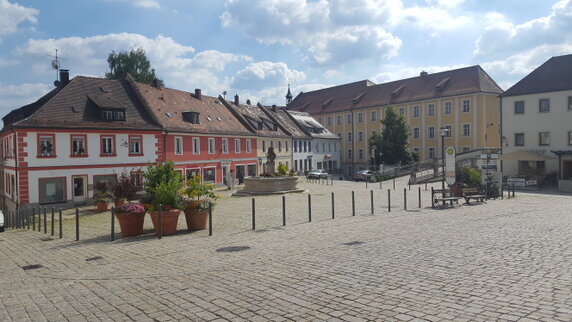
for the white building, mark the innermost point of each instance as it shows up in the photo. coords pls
(536, 118)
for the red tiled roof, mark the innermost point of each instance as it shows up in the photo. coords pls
(365, 94)
(77, 105)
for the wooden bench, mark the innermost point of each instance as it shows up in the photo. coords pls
(473, 194)
(443, 196)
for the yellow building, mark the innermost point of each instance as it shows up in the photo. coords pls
(463, 100)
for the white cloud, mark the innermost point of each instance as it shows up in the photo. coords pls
(213, 59)
(12, 14)
(433, 18)
(263, 75)
(445, 3)
(503, 37)
(14, 96)
(153, 4)
(397, 72)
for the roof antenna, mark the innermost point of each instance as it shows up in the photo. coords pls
(56, 65)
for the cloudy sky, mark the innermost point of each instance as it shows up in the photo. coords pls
(256, 47)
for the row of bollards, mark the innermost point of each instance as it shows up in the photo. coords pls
(26, 219)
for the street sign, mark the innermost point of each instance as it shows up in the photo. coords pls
(450, 165)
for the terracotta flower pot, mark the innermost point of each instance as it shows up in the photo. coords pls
(131, 225)
(197, 219)
(169, 221)
(101, 206)
(119, 203)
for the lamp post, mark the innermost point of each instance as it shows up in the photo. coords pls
(444, 132)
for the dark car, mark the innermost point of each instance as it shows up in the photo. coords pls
(363, 175)
(1, 221)
(317, 174)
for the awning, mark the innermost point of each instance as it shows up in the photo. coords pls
(525, 156)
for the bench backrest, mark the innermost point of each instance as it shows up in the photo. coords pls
(470, 191)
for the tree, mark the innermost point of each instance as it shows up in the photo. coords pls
(134, 62)
(394, 138)
(375, 146)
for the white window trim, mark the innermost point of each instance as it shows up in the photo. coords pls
(236, 145)
(224, 147)
(248, 146)
(211, 146)
(463, 129)
(196, 146)
(178, 145)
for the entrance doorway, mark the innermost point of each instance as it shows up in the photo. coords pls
(79, 188)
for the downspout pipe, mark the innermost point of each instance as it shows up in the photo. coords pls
(15, 150)
(501, 132)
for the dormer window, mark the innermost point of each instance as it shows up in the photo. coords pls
(119, 116)
(113, 115)
(191, 117)
(107, 115)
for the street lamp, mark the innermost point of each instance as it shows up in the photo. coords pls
(444, 133)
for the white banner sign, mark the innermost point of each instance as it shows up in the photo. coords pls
(450, 165)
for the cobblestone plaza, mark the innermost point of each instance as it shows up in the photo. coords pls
(504, 260)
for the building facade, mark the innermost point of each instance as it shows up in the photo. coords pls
(464, 100)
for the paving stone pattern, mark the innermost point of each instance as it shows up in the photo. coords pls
(507, 260)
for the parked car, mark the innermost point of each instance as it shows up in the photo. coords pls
(1, 221)
(363, 175)
(317, 174)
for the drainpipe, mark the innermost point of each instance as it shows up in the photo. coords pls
(15, 148)
(353, 147)
(501, 133)
(165, 133)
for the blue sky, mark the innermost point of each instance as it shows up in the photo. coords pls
(254, 48)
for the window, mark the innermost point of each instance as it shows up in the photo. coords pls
(323, 147)
(178, 145)
(570, 103)
(224, 146)
(415, 132)
(236, 145)
(279, 146)
(329, 147)
(416, 111)
(449, 131)
(360, 117)
(349, 117)
(431, 109)
(519, 139)
(137, 179)
(309, 147)
(448, 108)
(544, 105)
(78, 143)
(360, 136)
(569, 138)
(466, 149)
(135, 145)
(317, 147)
(286, 146)
(107, 115)
(102, 182)
(431, 132)
(248, 146)
(329, 120)
(519, 107)
(209, 174)
(373, 132)
(349, 136)
(320, 120)
(360, 154)
(212, 145)
(339, 119)
(431, 153)
(196, 146)
(112, 115)
(119, 115)
(46, 146)
(466, 106)
(108, 145)
(350, 154)
(544, 138)
(373, 116)
(466, 129)
(263, 146)
(416, 150)
(402, 110)
(52, 190)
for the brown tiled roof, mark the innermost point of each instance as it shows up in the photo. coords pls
(257, 119)
(78, 105)
(364, 94)
(167, 106)
(280, 114)
(554, 75)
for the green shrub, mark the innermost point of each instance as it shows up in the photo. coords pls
(282, 169)
(470, 177)
(163, 183)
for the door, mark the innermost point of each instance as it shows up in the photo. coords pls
(79, 188)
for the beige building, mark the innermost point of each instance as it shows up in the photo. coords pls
(463, 100)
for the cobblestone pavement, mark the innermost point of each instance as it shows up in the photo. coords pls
(504, 260)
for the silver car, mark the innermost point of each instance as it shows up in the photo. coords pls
(363, 175)
(318, 174)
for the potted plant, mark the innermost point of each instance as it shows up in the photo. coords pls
(200, 194)
(163, 184)
(131, 217)
(102, 200)
(123, 190)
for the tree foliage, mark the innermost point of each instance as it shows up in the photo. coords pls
(394, 138)
(134, 62)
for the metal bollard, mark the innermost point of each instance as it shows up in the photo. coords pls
(112, 223)
(388, 200)
(353, 204)
(371, 197)
(502, 191)
(309, 208)
(39, 219)
(393, 183)
(405, 198)
(419, 189)
(76, 224)
(45, 221)
(366, 183)
(253, 214)
(283, 210)
(425, 186)
(61, 228)
(333, 207)
(160, 223)
(210, 219)
(28, 217)
(409, 185)
(34, 219)
(513, 190)
(53, 221)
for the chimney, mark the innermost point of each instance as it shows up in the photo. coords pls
(423, 73)
(157, 83)
(236, 100)
(198, 93)
(248, 101)
(274, 108)
(64, 77)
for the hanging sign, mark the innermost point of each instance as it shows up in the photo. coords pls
(450, 165)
